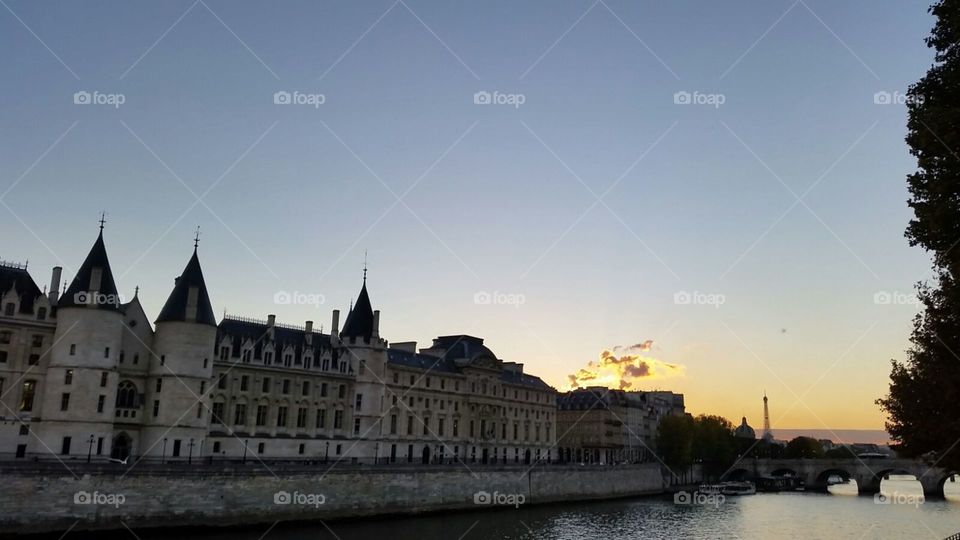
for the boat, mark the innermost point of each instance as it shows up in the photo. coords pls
(738, 488)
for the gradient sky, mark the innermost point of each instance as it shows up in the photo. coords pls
(496, 198)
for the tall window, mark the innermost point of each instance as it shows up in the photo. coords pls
(68, 377)
(261, 415)
(64, 401)
(302, 417)
(26, 395)
(127, 396)
(281, 417)
(240, 414)
(216, 416)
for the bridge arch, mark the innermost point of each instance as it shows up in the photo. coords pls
(952, 478)
(874, 484)
(827, 477)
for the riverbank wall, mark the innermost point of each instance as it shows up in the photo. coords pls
(52, 501)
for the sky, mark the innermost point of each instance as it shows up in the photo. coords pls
(726, 179)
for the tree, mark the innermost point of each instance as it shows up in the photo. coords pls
(803, 447)
(922, 406)
(714, 444)
(675, 441)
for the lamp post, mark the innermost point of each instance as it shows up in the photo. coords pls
(245, 444)
(89, 447)
(190, 453)
(163, 454)
(326, 452)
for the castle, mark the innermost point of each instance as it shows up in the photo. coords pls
(84, 376)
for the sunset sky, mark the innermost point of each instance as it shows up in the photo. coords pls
(755, 235)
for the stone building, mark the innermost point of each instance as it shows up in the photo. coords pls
(83, 375)
(602, 425)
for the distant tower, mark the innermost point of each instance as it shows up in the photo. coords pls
(767, 434)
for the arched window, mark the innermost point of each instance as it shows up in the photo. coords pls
(127, 396)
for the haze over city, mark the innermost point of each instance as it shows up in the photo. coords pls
(756, 243)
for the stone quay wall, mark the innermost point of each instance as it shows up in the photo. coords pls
(44, 501)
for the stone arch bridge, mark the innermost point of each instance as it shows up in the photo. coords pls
(868, 472)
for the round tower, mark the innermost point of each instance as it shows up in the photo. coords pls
(77, 410)
(177, 411)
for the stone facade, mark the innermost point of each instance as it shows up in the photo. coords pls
(86, 377)
(600, 425)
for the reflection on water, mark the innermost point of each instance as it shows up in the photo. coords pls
(846, 488)
(951, 488)
(767, 515)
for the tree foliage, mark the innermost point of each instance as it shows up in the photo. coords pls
(922, 405)
(803, 447)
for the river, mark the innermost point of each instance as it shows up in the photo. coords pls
(765, 515)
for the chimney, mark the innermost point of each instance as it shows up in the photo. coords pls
(271, 320)
(54, 293)
(335, 327)
(376, 323)
(308, 327)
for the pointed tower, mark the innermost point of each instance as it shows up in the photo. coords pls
(181, 367)
(80, 386)
(767, 434)
(365, 354)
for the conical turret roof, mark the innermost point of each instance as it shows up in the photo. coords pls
(93, 286)
(189, 301)
(360, 319)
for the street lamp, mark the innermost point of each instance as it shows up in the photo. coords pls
(246, 443)
(326, 452)
(190, 454)
(163, 454)
(89, 447)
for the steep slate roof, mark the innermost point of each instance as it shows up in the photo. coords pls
(239, 330)
(360, 319)
(20, 280)
(462, 346)
(176, 307)
(97, 258)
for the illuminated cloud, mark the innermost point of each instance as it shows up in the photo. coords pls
(624, 371)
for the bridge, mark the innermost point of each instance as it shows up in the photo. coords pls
(868, 472)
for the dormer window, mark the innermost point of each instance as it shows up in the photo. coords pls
(10, 309)
(41, 313)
